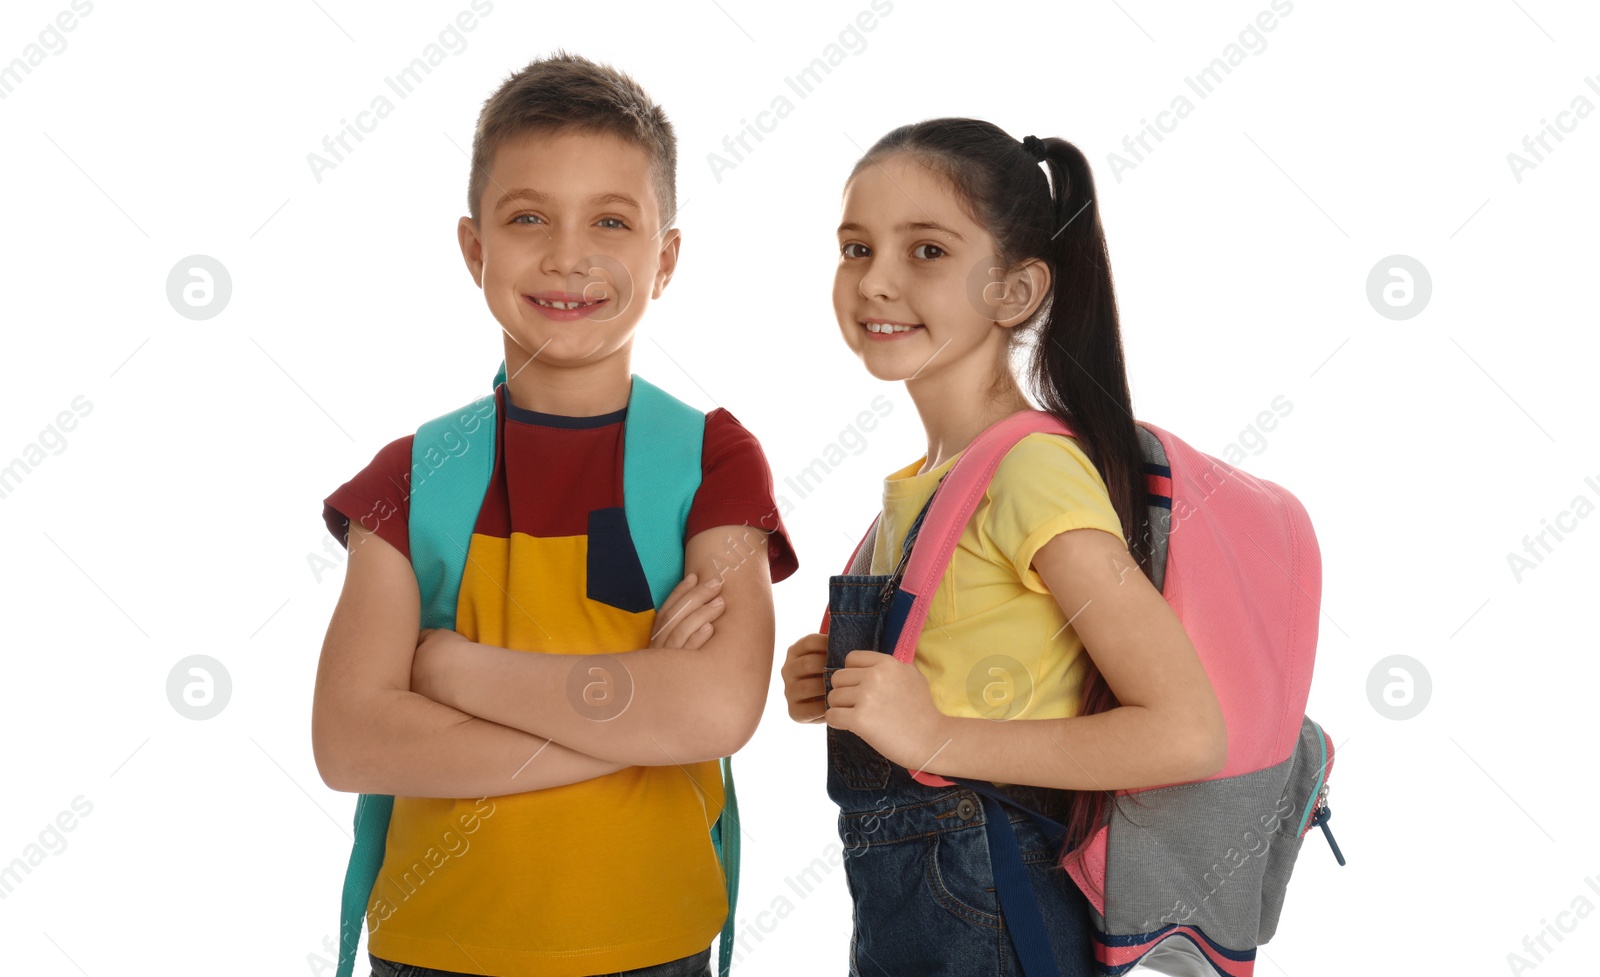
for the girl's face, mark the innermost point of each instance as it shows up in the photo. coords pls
(918, 291)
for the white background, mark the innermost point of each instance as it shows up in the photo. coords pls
(181, 515)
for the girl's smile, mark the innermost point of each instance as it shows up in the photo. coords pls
(912, 291)
(887, 330)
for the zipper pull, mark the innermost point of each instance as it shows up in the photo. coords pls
(1321, 821)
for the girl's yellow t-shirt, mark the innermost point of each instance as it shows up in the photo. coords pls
(996, 644)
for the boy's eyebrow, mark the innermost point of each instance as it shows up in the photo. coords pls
(911, 226)
(539, 196)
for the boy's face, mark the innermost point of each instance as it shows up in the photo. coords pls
(569, 248)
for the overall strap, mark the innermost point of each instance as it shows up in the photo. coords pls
(859, 563)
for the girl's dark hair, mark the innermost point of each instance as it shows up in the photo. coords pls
(1076, 367)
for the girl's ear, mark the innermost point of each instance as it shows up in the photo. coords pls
(1025, 288)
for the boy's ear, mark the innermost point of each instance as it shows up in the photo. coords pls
(471, 249)
(1025, 288)
(671, 239)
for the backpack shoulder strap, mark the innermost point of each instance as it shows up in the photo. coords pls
(661, 472)
(361, 874)
(662, 439)
(942, 523)
(452, 460)
(947, 516)
(952, 509)
(1158, 495)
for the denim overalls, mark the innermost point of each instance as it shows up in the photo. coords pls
(916, 858)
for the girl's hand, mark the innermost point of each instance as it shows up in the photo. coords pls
(685, 618)
(803, 678)
(431, 662)
(887, 703)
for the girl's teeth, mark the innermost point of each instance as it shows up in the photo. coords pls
(888, 327)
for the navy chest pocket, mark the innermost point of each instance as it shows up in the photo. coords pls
(615, 575)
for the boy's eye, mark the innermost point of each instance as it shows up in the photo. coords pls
(532, 217)
(616, 223)
(928, 247)
(845, 250)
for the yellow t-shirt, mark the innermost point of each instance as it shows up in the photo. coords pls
(996, 644)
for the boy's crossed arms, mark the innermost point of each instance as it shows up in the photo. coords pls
(447, 717)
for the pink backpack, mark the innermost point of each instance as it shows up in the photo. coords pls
(1185, 879)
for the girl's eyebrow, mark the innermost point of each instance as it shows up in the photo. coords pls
(911, 226)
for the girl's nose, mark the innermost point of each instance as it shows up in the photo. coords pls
(877, 282)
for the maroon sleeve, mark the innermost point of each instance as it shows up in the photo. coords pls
(736, 490)
(376, 497)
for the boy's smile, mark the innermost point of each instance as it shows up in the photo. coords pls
(569, 252)
(564, 306)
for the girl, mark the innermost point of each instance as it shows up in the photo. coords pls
(955, 247)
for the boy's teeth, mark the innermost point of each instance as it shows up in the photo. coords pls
(560, 305)
(887, 327)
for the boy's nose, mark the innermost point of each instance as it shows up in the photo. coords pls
(566, 253)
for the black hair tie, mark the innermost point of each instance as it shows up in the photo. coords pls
(1035, 147)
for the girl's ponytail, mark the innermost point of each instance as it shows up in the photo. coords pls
(1077, 369)
(1078, 374)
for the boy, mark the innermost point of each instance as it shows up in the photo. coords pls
(587, 848)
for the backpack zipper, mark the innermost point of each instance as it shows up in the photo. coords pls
(1321, 821)
(1317, 811)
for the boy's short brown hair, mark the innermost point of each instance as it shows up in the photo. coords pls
(569, 93)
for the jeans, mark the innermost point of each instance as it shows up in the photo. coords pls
(916, 858)
(694, 965)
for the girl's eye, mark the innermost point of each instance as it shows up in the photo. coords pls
(617, 221)
(928, 247)
(845, 250)
(533, 217)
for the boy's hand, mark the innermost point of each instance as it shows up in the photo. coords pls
(803, 670)
(685, 618)
(430, 664)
